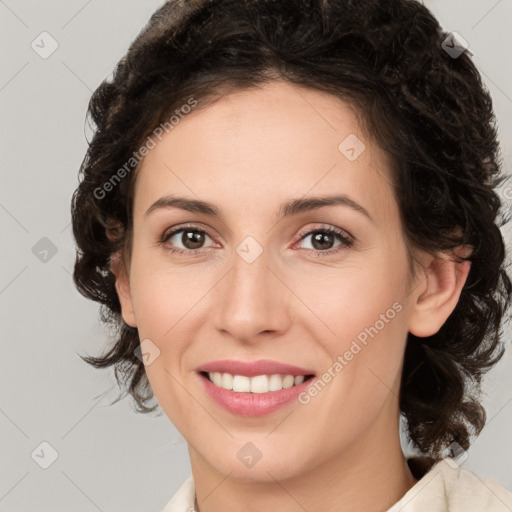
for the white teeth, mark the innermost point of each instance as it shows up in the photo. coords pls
(256, 384)
(227, 380)
(275, 383)
(241, 383)
(288, 381)
(217, 378)
(259, 384)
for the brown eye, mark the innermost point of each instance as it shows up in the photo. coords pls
(328, 240)
(192, 239)
(185, 239)
(322, 241)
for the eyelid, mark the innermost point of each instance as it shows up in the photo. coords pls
(346, 238)
(302, 233)
(176, 229)
(326, 227)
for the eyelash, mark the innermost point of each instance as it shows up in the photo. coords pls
(346, 241)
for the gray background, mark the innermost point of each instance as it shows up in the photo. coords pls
(109, 457)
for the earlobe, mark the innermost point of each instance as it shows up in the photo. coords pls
(437, 295)
(117, 267)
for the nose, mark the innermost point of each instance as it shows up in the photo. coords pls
(252, 301)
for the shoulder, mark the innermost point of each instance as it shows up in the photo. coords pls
(183, 499)
(446, 487)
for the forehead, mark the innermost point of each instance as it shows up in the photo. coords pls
(278, 140)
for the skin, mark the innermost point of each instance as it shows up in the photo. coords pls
(249, 153)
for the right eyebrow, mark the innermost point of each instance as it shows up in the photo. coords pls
(190, 205)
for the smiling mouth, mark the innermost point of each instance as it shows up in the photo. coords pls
(256, 384)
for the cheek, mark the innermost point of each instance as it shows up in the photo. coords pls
(364, 311)
(163, 311)
(350, 302)
(162, 296)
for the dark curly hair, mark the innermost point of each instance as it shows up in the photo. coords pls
(426, 108)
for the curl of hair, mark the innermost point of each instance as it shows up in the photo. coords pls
(428, 111)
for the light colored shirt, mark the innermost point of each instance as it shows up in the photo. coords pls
(445, 488)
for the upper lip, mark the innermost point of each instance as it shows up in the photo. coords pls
(253, 368)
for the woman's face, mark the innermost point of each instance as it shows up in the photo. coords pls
(251, 284)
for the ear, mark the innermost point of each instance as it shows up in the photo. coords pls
(441, 281)
(118, 268)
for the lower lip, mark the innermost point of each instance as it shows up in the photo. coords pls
(253, 404)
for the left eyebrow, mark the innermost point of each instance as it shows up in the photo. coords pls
(302, 205)
(288, 209)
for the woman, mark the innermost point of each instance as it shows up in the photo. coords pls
(288, 210)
